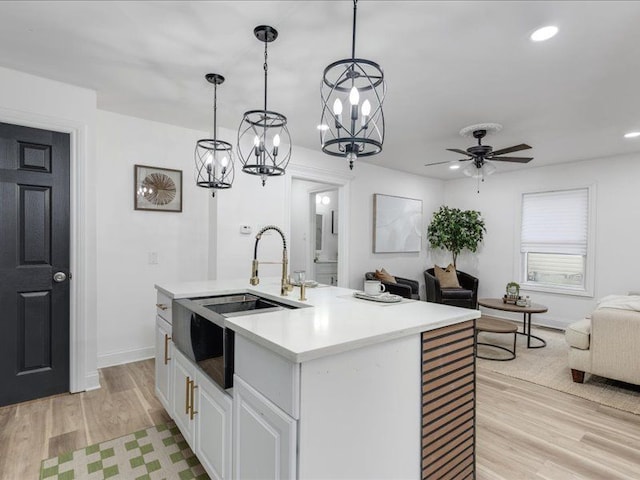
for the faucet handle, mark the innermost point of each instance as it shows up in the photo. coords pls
(254, 280)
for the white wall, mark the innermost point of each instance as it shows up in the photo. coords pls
(125, 295)
(617, 229)
(381, 180)
(38, 102)
(250, 203)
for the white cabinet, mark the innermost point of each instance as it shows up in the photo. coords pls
(202, 412)
(163, 362)
(265, 437)
(213, 428)
(183, 388)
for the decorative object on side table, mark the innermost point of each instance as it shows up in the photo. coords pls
(512, 293)
(157, 189)
(454, 230)
(397, 224)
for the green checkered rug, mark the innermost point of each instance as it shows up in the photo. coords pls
(156, 453)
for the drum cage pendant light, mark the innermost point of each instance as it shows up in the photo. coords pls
(213, 157)
(359, 85)
(264, 142)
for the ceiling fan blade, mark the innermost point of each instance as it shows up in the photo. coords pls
(436, 163)
(512, 159)
(457, 150)
(515, 148)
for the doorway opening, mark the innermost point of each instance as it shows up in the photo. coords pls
(318, 203)
(315, 211)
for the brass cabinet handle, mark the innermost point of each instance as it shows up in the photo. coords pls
(162, 306)
(166, 349)
(186, 396)
(192, 412)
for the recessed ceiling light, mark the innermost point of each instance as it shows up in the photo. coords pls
(632, 135)
(454, 166)
(544, 33)
(323, 128)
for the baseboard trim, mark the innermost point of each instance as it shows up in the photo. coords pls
(125, 356)
(92, 381)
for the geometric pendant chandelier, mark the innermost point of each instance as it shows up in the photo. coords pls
(264, 142)
(352, 93)
(213, 157)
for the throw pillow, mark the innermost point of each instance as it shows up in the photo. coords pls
(447, 277)
(385, 276)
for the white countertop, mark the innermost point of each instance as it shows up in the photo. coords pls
(336, 321)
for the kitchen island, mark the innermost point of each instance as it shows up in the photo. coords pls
(347, 388)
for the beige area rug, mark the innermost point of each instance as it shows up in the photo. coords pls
(549, 367)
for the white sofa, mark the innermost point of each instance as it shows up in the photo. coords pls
(608, 343)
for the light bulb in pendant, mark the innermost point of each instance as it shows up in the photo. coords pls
(337, 107)
(354, 96)
(366, 108)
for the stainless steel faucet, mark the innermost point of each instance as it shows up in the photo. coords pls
(285, 284)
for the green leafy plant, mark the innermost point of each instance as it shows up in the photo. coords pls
(454, 230)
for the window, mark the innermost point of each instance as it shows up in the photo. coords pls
(554, 243)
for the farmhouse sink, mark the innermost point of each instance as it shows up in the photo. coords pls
(236, 305)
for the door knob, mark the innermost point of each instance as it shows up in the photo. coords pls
(59, 277)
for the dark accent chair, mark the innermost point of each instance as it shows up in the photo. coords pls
(466, 297)
(405, 287)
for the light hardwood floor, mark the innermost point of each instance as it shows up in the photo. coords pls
(525, 431)
(33, 431)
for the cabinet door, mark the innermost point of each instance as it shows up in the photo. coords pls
(264, 437)
(213, 429)
(183, 373)
(163, 363)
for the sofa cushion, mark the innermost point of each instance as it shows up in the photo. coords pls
(577, 334)
(447, 277)
(456, 293)
(385, 276)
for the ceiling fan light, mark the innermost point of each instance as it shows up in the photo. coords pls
(455, 165)
(488, 168)
(632, 135)
(544, 33)
(471, 170)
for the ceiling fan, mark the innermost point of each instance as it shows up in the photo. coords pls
(481, 155)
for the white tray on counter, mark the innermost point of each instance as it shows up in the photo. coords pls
(382, 297)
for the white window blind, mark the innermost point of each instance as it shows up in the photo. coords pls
(555, 222)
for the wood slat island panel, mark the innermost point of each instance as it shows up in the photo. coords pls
(448, 402)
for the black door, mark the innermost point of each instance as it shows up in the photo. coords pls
(34, 249)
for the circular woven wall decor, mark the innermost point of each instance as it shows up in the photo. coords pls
(161, 190)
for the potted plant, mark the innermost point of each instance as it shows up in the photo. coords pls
(454, 230)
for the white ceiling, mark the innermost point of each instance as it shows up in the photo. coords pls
(447, 65)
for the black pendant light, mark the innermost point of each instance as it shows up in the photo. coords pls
(264, 143)
(359, 86)
(214, 158)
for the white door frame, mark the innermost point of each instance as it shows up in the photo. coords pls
(343, 183)
(80, 313)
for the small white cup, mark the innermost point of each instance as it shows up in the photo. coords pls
(373, 287)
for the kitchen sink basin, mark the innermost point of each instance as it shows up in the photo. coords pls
(234, 305)
(239, 304)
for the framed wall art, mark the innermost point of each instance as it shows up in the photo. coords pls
(157, 189)
(397, 224)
